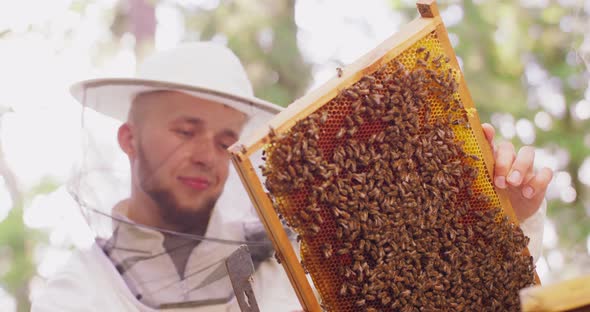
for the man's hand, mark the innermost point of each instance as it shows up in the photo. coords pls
(514, 172)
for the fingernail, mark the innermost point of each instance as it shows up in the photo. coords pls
(514, 177)
(528, 192)
(500, 182)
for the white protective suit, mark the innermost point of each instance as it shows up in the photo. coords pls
(90, 282)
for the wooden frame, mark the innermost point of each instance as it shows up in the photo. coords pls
(569, 295)
(428, 22)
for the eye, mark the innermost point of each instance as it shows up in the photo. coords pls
(225, 143)
(184, 133)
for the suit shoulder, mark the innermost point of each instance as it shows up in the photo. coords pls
(73, 287)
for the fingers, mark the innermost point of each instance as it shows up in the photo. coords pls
(538, 183)
(504, 159)
(489, 132)
(522, 166)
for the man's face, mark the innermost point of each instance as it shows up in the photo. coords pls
(181, 157)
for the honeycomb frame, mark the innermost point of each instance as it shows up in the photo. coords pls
(426, 30)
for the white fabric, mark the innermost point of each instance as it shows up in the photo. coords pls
(533, 227)
(164, 285)
(202, 64)
(202, 69)
(89, 283)
(113, 97)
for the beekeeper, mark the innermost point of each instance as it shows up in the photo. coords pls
(163, 234)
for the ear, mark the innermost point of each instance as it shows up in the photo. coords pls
(126, 139)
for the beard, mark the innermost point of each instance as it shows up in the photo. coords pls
(184, 219)
(188, 218)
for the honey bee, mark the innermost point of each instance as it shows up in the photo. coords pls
(327, 250)
(343, 251)
(351, 132)
(358, 119)
(318, 218)
(374, 100)
(324, 117)
(387, 118)
(304, 215)
(304, 267)
(271, 132)
(339, 71)
(339, 233)
(377, 86)
(351, 94)
(355, 105)
(344, 214)
(343, 289)
(312, 207)
(315, 229)
(291, 170)
(438, 58)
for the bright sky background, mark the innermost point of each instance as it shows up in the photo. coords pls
(41, 136)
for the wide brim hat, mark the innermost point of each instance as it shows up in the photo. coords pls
(204, 70)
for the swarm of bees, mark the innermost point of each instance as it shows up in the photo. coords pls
(380, 190)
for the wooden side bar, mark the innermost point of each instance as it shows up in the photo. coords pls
(274, 228)
(475, 123)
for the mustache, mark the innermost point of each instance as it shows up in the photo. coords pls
(193, 170)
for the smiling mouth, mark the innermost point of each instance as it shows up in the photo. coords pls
(198, 184)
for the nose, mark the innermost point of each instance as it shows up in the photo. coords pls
(202, 151)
